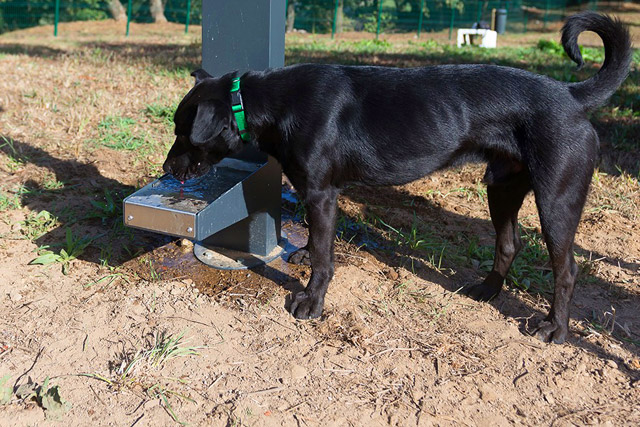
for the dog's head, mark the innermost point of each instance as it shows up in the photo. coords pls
(206, 131)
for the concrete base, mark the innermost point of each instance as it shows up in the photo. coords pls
(229, 259)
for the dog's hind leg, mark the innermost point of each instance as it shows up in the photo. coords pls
(508, 184)
(561, 191)
(321, 206)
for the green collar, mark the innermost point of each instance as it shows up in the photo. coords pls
(238, 109)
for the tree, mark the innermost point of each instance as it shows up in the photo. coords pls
(291, 15)
(340, 16)
(117, 11)
(157, 10)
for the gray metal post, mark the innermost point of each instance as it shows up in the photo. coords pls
(244, 35)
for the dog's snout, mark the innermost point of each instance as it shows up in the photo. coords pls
(166, 167)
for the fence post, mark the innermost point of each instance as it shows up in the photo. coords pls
(379, 17)
(546, 14)
(420, 18)
(335, 18)
(128, 17)
(56, 19)
(186, 24)
(453, 12)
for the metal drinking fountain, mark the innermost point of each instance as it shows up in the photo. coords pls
(232, 212)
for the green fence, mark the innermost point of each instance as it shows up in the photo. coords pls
(418, 16)
(18, 14)
(314, 16)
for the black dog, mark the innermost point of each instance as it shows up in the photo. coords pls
(329, 125)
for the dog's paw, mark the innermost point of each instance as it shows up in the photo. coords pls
(305, 306)
(483, 291)
(300, 257)
(549, 331)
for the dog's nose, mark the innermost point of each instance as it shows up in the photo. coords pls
(166, 167)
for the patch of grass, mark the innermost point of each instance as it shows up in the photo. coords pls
(120, 133)
(615, 193)
(161, 112)
(478, 191)
(551, 47)
(529, 271)
(419, 239)
(136, 370)
(50, 182)
(9, 201)
(74, 247)
(37, 224)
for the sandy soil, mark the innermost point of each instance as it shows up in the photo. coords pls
(397, 344)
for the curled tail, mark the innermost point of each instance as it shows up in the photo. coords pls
(617, 56)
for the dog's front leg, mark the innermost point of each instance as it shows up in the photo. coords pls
(321, 207)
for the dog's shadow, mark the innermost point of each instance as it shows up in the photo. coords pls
(84, 183)
(81, 200)
(596, 289)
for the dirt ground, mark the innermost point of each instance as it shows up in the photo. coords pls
(397, 343)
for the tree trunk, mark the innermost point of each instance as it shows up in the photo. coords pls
(117, 11)
(157, 11)
(291, 15)
(340, 16)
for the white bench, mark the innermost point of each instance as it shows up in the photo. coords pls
(489, 37)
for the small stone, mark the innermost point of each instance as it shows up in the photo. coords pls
(298, 372)
(612, 364)
(188, 282)
(176, 291)
(185, 244)
(15, 296)
(392, 274)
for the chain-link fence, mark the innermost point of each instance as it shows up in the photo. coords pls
(313, 16)
(18, 14)
(402, 16)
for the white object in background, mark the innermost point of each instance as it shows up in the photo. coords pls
(489, 37)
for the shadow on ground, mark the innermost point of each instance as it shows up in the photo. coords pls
(84, 183)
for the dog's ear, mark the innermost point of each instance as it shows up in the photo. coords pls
(183, 117)
(201, 75)
(207, 124)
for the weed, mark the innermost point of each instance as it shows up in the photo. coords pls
(164, 348)
(606, 324)
(37, 224)
(74, 247)
(6, 391)
(131, 371)
(47, 397)
(109, 279)
(106, 210)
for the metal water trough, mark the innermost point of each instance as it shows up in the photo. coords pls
(233, 212)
